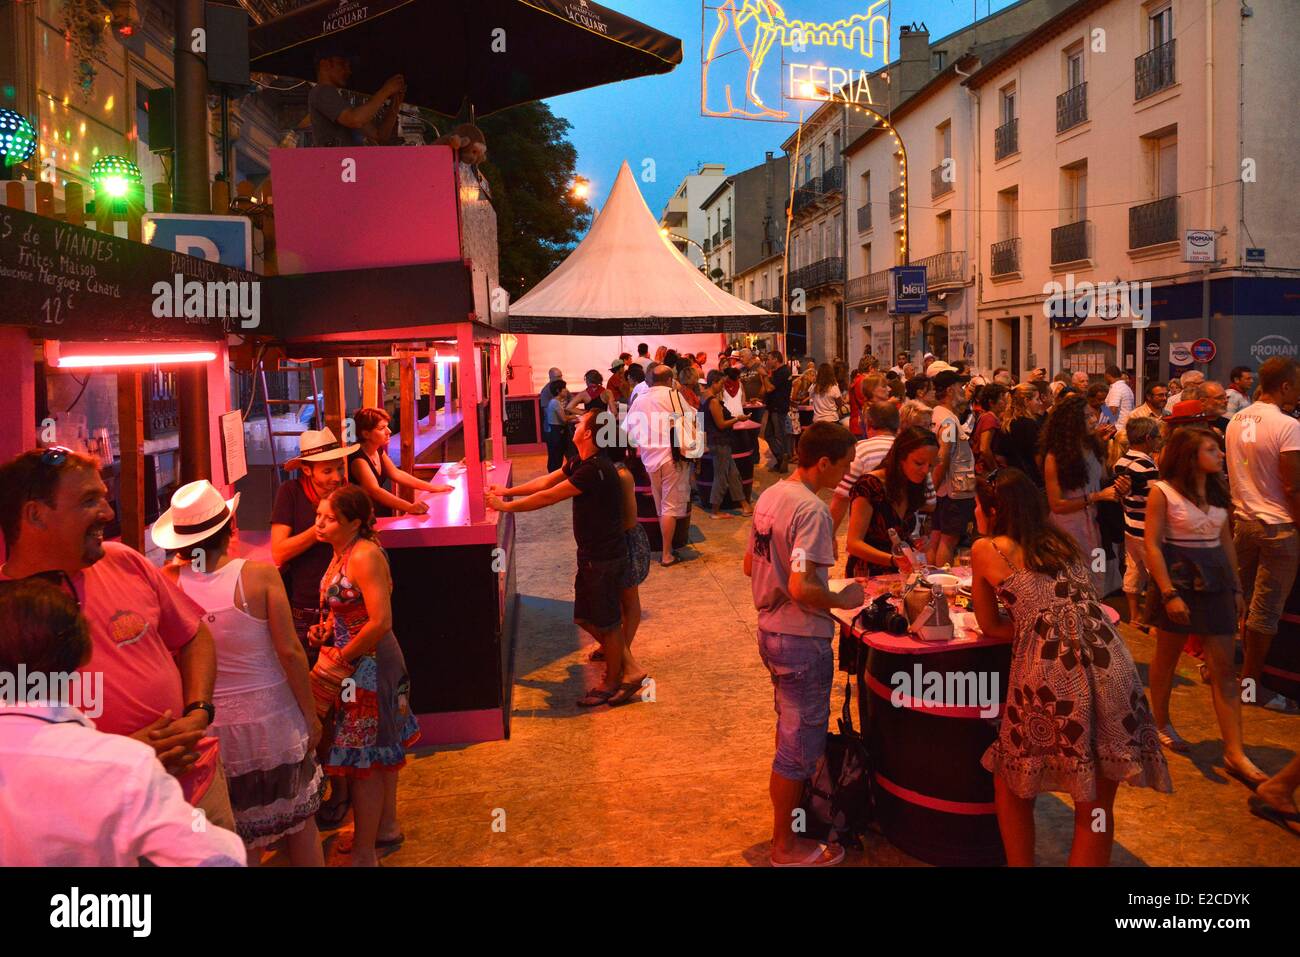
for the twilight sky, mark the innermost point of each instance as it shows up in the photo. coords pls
(658, 117)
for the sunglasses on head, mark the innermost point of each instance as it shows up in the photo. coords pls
(56, 577)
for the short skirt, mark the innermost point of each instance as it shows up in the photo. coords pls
(638, 556)
(1205, 582)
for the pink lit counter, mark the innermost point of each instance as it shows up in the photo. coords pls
(453, 610)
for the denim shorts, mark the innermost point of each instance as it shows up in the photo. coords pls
(802, 670)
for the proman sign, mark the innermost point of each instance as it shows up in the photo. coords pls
(1198, 246)
(755, 56)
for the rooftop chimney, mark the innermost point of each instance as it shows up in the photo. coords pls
(912, 70)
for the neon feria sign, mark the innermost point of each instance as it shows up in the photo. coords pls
(755, 58)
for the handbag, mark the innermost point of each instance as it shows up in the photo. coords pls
(686, 436)
(837, 800)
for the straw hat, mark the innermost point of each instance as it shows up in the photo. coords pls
(197, 511)
(319, 446)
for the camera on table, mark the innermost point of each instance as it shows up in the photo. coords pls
(881, 615)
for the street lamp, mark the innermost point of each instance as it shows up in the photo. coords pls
(581, 188)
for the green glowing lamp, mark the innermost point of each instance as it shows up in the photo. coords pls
(114, 176)
(17, 138)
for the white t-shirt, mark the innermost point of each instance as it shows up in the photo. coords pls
(790, 522)
(645, 362)
(638, 390)
(825, 405)
(1120, 397)
(867, 457)
(1256, 438)
(650, 420)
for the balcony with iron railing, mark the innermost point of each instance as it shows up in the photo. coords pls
(726, 229)
(896, 203)
(824, 272)
(1153, 71)
(1070, 242)
(708, 244)
(1072, 107)
(717, 240)
(832, 180)
(1152, 224)
(806, 195)
(1004, 257)
(873, 287)
(944, 270)
(939, 182)
(772, 304)
(864, 218)
(1006, 139)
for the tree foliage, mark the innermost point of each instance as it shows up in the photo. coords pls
(530, 167)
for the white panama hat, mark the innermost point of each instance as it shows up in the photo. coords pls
(196, 512)
(319, 446)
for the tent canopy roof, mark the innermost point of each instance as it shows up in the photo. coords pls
(625, 277)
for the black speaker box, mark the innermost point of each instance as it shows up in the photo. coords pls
(227, 45)
(162, 120)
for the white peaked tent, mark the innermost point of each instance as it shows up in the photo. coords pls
(626, 283)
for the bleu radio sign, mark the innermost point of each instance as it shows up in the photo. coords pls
(907, 290)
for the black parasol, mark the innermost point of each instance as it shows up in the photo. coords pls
(494, 53)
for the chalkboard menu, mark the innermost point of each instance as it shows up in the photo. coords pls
(521, 420)
(69, 282)
(643, 326)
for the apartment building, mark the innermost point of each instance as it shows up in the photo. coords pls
(753, 251)
(923, 219)
(719, 247)
(81, 116)
(825, 243)
(1102, 138)
(682, 216)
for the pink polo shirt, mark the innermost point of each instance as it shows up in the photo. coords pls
(138, 620)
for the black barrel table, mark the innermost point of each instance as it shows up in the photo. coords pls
(648, 515)
(744, 451)
(933, 797)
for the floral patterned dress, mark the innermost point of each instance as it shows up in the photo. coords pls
(373, 726)
(1075, 706)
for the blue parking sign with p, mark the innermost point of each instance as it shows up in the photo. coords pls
(221, 239)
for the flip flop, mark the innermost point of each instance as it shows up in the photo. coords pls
(389, 845)
(1172, 740)
(597, 655)
(627, 691)
(1288, 820)
(664, 564)
(595, 698)
(1251, 783)
(814, 858)
(330, 817)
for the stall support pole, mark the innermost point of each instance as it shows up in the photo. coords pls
(410, 405)
(371, 393)
(17, 371)
(130, 431)
(332, 373)
(192, 399)
(496, 426)
(467, 380)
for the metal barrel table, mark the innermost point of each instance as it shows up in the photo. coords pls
(744, 451)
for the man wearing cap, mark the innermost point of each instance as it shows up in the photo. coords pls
(334, 120)
(153, 656)
(300, 556)
(617, 383)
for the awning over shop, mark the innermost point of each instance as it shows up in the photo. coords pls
(493, 53)
(627, 279)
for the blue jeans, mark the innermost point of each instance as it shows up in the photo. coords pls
(802, 670)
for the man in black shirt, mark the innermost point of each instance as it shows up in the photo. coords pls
(301, 557)
(592, 482)
(777, 380)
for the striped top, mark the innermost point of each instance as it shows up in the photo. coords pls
(866, 458)
(1141, 470)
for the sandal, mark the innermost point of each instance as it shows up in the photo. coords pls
(1288, 820)
(597, 655)
(627, 691)
(664, 564)
(381, 846)
(595, 698)
(1243, 777)
(330, 817)
(814, 858)
(1172, 740)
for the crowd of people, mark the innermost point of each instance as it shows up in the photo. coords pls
(1066, 492)
(273, 696)
(269, 697)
